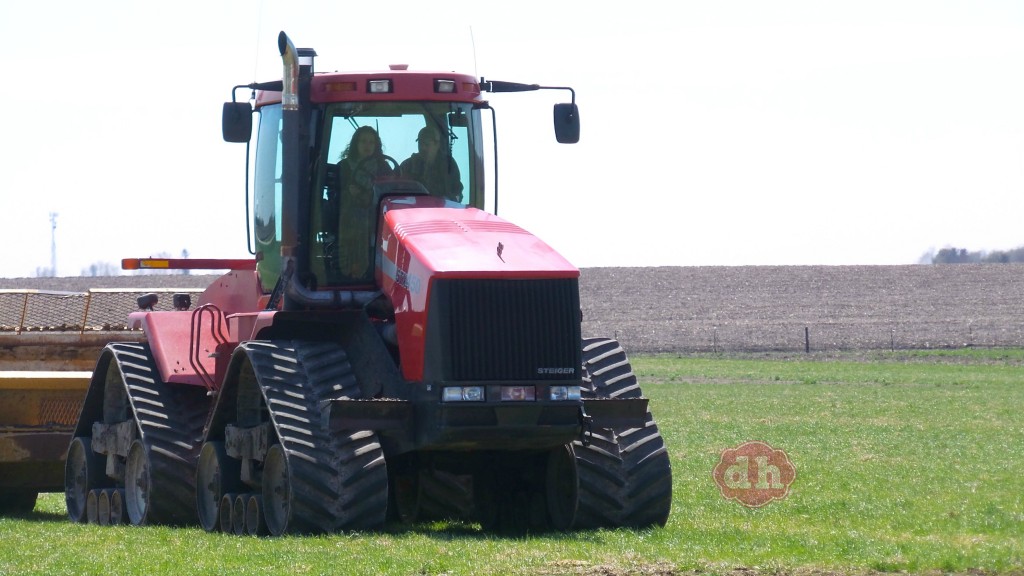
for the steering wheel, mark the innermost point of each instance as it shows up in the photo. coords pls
(364, 175)
(363, 167)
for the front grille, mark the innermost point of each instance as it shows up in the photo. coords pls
(508, 329)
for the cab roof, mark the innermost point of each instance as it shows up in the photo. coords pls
(390, 85)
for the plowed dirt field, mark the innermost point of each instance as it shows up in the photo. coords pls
(759, 308)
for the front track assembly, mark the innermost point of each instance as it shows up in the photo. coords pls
(270, 463)
(625, 477)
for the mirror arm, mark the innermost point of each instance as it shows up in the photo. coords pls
(501, 86)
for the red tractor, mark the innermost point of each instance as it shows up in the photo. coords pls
(393, 351)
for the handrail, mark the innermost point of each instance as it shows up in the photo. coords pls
(195, 333)
(24, 313)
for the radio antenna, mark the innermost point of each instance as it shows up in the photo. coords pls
(53, 245)
(472, 40)
(259, 34)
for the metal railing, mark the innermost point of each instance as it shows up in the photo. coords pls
(99, 309)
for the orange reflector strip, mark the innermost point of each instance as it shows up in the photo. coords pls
(339, 87)
(188, 263)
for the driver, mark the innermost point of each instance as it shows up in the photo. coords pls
(434, 167)
(362, 163)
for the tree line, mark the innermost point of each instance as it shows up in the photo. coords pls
(964, 256)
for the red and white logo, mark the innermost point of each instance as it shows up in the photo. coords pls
(754, 474)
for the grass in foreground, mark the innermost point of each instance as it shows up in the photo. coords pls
(903, 464)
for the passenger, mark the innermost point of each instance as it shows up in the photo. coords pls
(362, 163)
(434, 167)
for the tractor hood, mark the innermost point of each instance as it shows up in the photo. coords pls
(428, 245)
(445, 239)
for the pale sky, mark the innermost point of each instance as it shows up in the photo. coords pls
(714, 133)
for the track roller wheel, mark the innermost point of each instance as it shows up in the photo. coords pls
(117, 516)
(225, 511)
(277, 491)
(92, 507)
(137, 483)
(83, 471)
(216, 475)
(103, 507)
(238, 515)
(255, 523)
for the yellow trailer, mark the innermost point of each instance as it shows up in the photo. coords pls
(49, 344)
(38, 411)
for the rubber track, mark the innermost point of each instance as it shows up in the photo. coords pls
(606, 370)
(170, 420)
(445, 496)
(625, 475)
(338, 483)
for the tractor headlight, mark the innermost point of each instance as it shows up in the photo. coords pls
(518, 393)
(462, 394)
(379, 87)
(565, 392)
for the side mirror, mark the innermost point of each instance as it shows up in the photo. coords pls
(567, 123)
(236, 121)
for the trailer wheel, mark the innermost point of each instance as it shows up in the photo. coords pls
(17, 501)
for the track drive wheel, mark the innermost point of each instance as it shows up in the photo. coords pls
(83, 471)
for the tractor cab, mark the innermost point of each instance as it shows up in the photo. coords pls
(355, 140)
(369, 151)
(372, 136)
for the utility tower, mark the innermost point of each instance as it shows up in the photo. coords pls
(53, 244)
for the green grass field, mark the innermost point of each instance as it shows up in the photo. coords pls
(905, 462)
